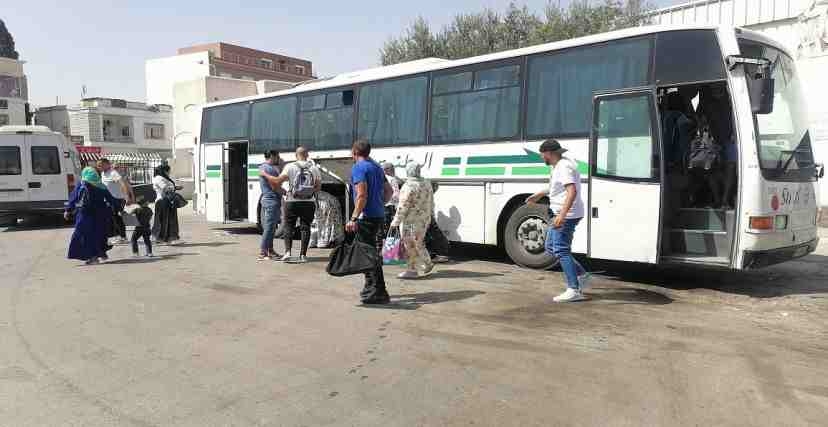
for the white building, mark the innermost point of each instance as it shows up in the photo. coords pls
(13, 92)
(112, 124)
(800, 25)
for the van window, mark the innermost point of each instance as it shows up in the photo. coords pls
(10, 161)
(45, 161)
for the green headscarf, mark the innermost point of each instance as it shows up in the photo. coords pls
(90, 175)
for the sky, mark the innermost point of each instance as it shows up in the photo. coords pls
(104, 44)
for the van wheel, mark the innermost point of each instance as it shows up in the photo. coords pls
(8, 220)
(524, 237)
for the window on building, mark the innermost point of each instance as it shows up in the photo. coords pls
(561, 85)
(326, 121)
(226, 122)
(393, 112)
(282, 66)
(153, 131)
(476, 105)
(273, 125)
(126, 131)
(10, 160)
(266, 63)
(4, 104)
(4, 119)
(300, 70)
(45, 161)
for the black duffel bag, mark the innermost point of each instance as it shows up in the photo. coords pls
(352, 257)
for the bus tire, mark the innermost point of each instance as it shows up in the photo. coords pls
(8, 220)
(524, 237)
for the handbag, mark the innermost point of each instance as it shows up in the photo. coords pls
(176, 200)
(393, 251)
(352, 257)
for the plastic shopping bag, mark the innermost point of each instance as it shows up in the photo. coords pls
(393, 252)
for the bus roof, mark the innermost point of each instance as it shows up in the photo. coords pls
(435, 64)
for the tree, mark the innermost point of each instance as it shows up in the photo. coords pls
(487, 31)
(7, 43)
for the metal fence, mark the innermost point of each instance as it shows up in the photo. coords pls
(136, 167)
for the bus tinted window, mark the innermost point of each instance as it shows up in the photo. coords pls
(273, 125)
(688, 56)
(452, 83)
(561, 85)
(480, 112)
(329, 128)
(624, 144)
(226, 122)
(393, 112)
(45, 161)
(10, 161)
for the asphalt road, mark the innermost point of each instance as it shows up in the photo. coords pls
(204, 335)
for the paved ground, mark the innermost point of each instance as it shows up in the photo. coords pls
(206, 336)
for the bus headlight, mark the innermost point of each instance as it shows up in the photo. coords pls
(781, 222)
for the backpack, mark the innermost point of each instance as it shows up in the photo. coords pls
(303, 184)
(705, 153)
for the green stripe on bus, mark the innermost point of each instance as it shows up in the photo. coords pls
(253, 173)
(531, 170)
(213, 174)
(451, 161)
(451, 171)
(529, 157)
(491, 170)
(213, 167)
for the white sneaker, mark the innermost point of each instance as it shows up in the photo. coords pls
(585, 280)
(408, 274)
(570, 295)
(286, 257)
(428, 272)
(302, 259)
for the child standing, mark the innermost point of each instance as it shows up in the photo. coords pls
(144, 228)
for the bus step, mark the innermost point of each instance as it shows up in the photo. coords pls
(704, 219)
(699, 242)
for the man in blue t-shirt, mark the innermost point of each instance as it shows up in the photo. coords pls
(370, 192)
(271, 203)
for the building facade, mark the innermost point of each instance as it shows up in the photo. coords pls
(220, 60)
(13, 93)
(799, 25)
(112, 124)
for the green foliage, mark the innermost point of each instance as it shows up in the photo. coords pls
(489, 31)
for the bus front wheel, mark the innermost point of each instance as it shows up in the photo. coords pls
(524, 237)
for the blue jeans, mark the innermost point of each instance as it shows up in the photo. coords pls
(271, 216)
(559, 243)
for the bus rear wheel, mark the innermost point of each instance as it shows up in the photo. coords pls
(525, 235)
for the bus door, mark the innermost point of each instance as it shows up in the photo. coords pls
(214, 177)
(625, 178)
(236, 181)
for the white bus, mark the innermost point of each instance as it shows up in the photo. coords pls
(626, 104)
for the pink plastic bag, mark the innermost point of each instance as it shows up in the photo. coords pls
(393, 251)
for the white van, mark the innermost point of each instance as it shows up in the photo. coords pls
(38, 171)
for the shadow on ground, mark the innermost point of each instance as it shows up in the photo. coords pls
(415, 301)
(45, 222)
(804, 276)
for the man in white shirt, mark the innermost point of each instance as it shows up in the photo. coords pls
(121, 190)
(566, 209)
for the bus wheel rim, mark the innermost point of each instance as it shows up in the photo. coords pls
(531, 234)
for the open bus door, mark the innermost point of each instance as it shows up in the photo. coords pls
(214, 182)
(625, 178)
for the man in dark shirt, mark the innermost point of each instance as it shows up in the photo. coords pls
(271, 203)
(370, 192)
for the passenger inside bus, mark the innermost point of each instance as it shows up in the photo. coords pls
(700, 146)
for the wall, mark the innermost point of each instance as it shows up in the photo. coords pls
(16, 112)
(163, 73)
(56, 119)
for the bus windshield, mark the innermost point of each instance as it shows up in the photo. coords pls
(784, 142)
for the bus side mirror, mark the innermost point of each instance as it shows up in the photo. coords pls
(760, 91)
(820, 171)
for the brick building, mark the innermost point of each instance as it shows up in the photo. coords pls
(227, 60)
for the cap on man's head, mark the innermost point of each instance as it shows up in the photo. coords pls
(552, 146)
